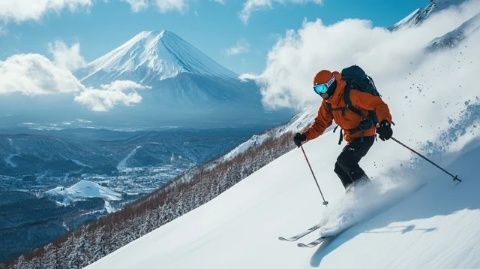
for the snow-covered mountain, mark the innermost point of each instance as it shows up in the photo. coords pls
(454, 37)
(447, 40)
(83, 190)
(152, 56)
(419, 15)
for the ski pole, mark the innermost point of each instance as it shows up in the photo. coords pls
(325, 203)
(455, 178)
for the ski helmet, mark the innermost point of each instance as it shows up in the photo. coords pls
(324, 82)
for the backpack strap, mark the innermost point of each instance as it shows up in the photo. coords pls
(369, 121)
(348, 101)
(340, 139)
(328, 106)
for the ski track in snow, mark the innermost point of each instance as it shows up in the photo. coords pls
(9, 158)
(122, 165)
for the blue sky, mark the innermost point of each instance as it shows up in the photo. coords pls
(212, 26)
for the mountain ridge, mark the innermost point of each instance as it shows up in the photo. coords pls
(419, 15)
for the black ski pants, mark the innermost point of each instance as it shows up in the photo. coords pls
(347, 167)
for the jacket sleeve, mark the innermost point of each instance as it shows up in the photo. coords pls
(322, 122)
(371, 102)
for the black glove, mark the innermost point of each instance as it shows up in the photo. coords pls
(385, 130)
(299, 139)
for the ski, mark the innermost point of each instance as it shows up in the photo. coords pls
(302, 234)
(319, 241)
(327, 236)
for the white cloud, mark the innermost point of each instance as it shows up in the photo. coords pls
(248, 76)
(162, 5)
(242, 46)
(253, 5)
(221, 2)
(65, 57)
(118, 92)
(24, 10)
(137, 5)
(171, 5)
(34, 74)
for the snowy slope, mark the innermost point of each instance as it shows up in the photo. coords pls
(453, 38)
(412, 216)
(239, 229)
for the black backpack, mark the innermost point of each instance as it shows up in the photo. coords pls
(357, 79)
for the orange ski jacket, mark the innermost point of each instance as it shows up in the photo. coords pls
(345, 118)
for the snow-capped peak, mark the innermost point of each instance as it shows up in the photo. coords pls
(150, 56)
(420, 15)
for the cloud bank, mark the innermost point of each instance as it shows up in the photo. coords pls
(118, 92)
(20, 11)
(36, 75)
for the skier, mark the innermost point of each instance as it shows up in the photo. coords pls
(358, 113)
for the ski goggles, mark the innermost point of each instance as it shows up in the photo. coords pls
(322, 88)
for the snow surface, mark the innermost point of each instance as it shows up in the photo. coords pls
(82, 190)
(452, 38)
(412, 216)
(423, 221)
